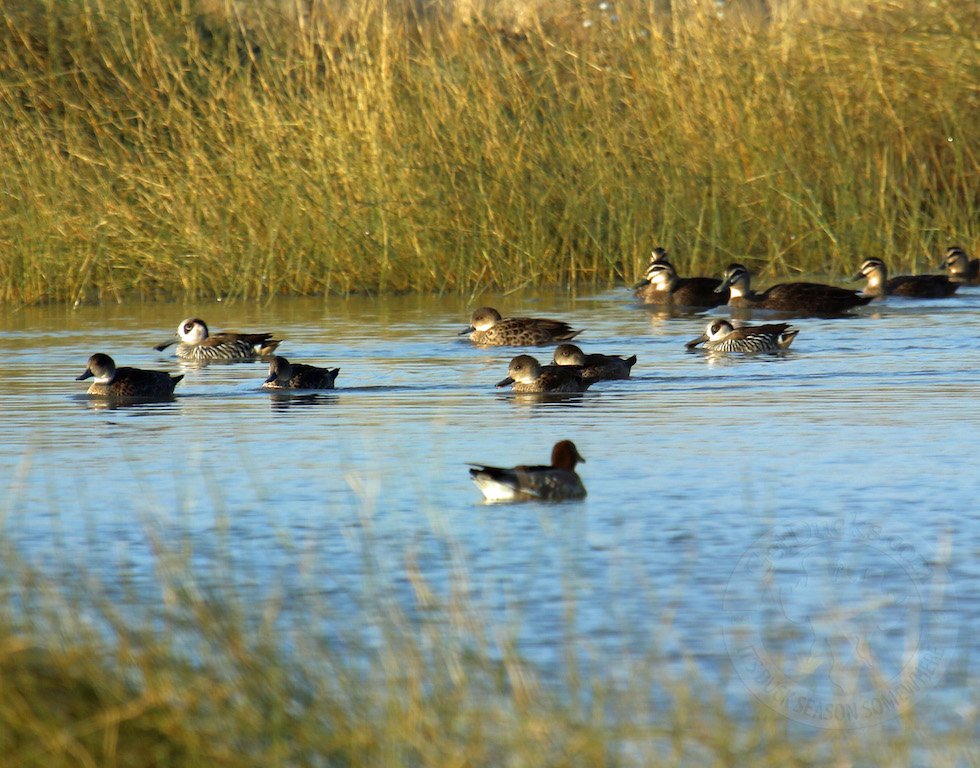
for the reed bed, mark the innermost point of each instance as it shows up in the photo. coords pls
(192, 671)
(203, 149)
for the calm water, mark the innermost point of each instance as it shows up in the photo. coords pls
(819, 508)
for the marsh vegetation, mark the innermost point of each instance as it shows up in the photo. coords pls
(161, 148)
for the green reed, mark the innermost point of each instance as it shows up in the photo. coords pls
(189, 671)
(203, 149)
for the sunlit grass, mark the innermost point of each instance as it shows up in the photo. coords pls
(167, 147)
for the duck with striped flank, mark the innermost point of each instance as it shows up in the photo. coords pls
(557, 481)
(880, 285)
(126, 383)
(594, 367)
(722, 336)
(197, 343)
(286, 375)
(960, 267)
(800, 298)
(488, 329)
(526, 375)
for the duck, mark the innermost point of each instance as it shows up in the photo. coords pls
(594, 366)
(527, 375)
(909, 286)
(197, 343)
(557, 481)
(810, 298)
(722, 336)
(662, 285)
(125, 382)
(960, 267)
(487, 328)
(286, 375)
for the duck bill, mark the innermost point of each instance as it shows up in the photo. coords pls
(467, 331)
(505, 383)
(857, 277)
(164, 345)
(694, 342)
(642, 283)
(87, 375)
(724, 285)
(271, 378)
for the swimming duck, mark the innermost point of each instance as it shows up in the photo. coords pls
(527, 375)
(811, 298)
(488, 328)
(594, 367)
(196, 343)
(722, 336)
(555, 482)
(960, 267)
(910, 286)
(111, 381)
(286, 375)
(661, 285)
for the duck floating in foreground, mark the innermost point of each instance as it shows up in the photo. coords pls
(124, 382)
(722, 336)
(527, 375)
(555, 482)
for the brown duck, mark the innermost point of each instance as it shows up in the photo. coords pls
(594, 366)
(487, 328)
(909, 286)
(807, 298)
(134, 383)
(557, 481)
(527, 375)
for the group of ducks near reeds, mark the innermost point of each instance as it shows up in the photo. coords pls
(571, 370)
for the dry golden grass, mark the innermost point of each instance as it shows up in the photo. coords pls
(162, 148)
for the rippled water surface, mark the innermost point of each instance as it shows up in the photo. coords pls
(818, 507)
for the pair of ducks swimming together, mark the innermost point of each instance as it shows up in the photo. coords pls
(662, 285)
(197, 344)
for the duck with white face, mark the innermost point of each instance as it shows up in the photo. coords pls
(197, 343)
(880, 285)
(722, 336)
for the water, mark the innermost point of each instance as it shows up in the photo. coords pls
(780, 517)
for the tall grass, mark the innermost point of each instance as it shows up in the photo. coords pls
(173, 148)
(204, 676)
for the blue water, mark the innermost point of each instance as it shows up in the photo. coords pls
(777, 520)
